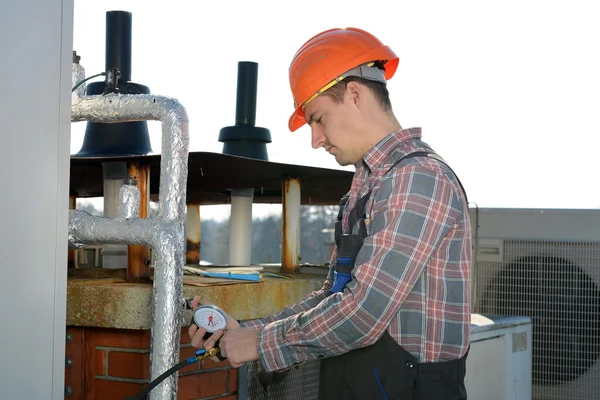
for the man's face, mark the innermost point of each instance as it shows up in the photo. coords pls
(335, 127)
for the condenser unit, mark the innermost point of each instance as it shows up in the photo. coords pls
(499, 360)
(545, 264)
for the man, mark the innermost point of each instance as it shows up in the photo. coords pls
(393, 317)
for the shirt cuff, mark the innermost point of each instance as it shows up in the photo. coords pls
(275, 354)
(252, 324)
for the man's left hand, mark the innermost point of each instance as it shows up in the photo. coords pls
(239, 346)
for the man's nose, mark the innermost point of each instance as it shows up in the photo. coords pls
(318, 139)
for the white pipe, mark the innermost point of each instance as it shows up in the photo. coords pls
(240, 227)
(164, 233)
(113, 255)
(290, 244)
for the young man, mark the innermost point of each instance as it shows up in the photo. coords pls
(393, 317)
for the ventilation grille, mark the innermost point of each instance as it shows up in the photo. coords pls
(301, 383)
(557, 285)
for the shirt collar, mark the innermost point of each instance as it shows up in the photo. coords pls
(379, 153)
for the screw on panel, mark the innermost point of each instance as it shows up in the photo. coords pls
(69, 337)
(68, 390)
(68, 362)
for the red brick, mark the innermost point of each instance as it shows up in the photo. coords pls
(185, 338)
(202, 385)
(128, 365)
(210, 364)
(89, 366)
(184, 353)
(108, 390)
(123, 338)
(125, 364)
(100, 362)
(233, 379)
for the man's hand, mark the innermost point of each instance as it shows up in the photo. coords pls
(239, 346)
(197, 334)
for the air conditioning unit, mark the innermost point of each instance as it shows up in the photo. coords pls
(499, 361)
(545, 265)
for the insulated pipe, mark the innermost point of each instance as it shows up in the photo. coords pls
(240, 227)
(129, 196)
(77, 75)
(164, 233)
(71, 263)
(290, 243)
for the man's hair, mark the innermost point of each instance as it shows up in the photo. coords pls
(336, 92)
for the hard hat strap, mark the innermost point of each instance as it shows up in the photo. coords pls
(365, 71)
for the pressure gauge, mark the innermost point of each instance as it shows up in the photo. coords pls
(211, 318)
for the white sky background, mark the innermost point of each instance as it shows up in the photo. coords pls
(507, 91)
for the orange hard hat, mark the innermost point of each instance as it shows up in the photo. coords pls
(324, 59)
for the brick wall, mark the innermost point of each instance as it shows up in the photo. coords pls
(114, 363)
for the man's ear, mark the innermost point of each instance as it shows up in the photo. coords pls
(355, 92)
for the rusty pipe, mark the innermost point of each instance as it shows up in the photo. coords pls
(192, 234)
(138, 256)
(164, 232)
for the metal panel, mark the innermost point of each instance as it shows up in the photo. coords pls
(499, 361)
(537, 224)
(35, 109)
(212, 176)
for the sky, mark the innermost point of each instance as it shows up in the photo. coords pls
(507, 91)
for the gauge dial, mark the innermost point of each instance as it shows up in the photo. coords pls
(211, 318)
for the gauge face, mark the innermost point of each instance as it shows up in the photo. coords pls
(210, 318)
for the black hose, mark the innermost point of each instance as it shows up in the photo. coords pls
(85, 80)
(141, 395)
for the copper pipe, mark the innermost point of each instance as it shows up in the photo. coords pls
(192, 234)
(138, 256)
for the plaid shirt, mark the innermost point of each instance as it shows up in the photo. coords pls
(412, 274)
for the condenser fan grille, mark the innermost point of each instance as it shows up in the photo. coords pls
(540, 280)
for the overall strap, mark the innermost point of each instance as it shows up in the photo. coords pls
(359, 210)
(435, 156)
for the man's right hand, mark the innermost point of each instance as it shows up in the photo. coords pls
(196, 334)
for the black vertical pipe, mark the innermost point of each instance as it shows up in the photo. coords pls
(244, 139)
(247, 81)
(122, 138)
(118, 43)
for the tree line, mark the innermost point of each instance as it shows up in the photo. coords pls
(267, 236)
(315, 245)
